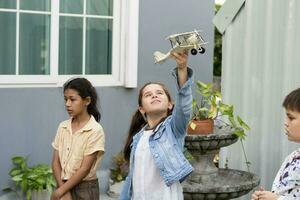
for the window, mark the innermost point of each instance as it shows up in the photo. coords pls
(45, 42)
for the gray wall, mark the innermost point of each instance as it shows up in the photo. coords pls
(29, 117)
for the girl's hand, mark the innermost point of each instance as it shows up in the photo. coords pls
(181, 59)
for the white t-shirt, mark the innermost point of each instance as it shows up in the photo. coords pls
(147, 182)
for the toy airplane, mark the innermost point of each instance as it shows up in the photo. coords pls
(189, 41)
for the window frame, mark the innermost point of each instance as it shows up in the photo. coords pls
(124, 50)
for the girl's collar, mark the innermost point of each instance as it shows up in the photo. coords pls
(147, 128)
(156, 127)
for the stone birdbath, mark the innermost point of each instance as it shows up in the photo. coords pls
(208, 182)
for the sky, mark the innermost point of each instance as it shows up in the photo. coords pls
(220, 1)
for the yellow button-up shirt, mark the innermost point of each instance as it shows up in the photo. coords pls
(73, 147)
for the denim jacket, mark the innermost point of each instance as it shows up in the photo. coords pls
(167, 141)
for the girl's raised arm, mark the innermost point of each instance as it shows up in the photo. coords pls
(183, 100)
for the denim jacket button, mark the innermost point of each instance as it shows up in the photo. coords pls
(156, 155)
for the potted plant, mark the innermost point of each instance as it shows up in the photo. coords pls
(204, 110)
(210, 108)
(36, 182)
(117, 174)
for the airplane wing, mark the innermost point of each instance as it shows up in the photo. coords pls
(172, 36)
(202, 43)
(180, 34)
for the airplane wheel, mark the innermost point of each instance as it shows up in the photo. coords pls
(194, 51)
(201, 50)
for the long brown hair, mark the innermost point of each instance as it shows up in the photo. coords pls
(138, 121)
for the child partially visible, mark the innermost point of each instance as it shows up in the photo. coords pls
(286, 185)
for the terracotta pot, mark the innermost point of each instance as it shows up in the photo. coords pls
(201, 127)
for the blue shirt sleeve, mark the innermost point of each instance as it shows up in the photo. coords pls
(183, 105)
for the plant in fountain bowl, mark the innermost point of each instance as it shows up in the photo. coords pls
(36, 182)
(205, 110)
(117, 174)
(210, 109)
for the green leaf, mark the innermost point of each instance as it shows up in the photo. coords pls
(240, 133)
(228, 110)
(51, 181)
(194, 103)
(15, 171)
(204, 110)
(24, 185)
(49, 188)
(231, 119)
(7, 189)
(119, 177)
(18, 160)
(214, 102)
(212, 114)
(203, 113)
(17, 178)
(242, 123)
(193, 125)
(201, 85)
(40, 181)
(23, 166)
(187, 155)
(218, 94)
(210, 86)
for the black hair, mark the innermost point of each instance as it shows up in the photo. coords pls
(292, 100)
(85, 89)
